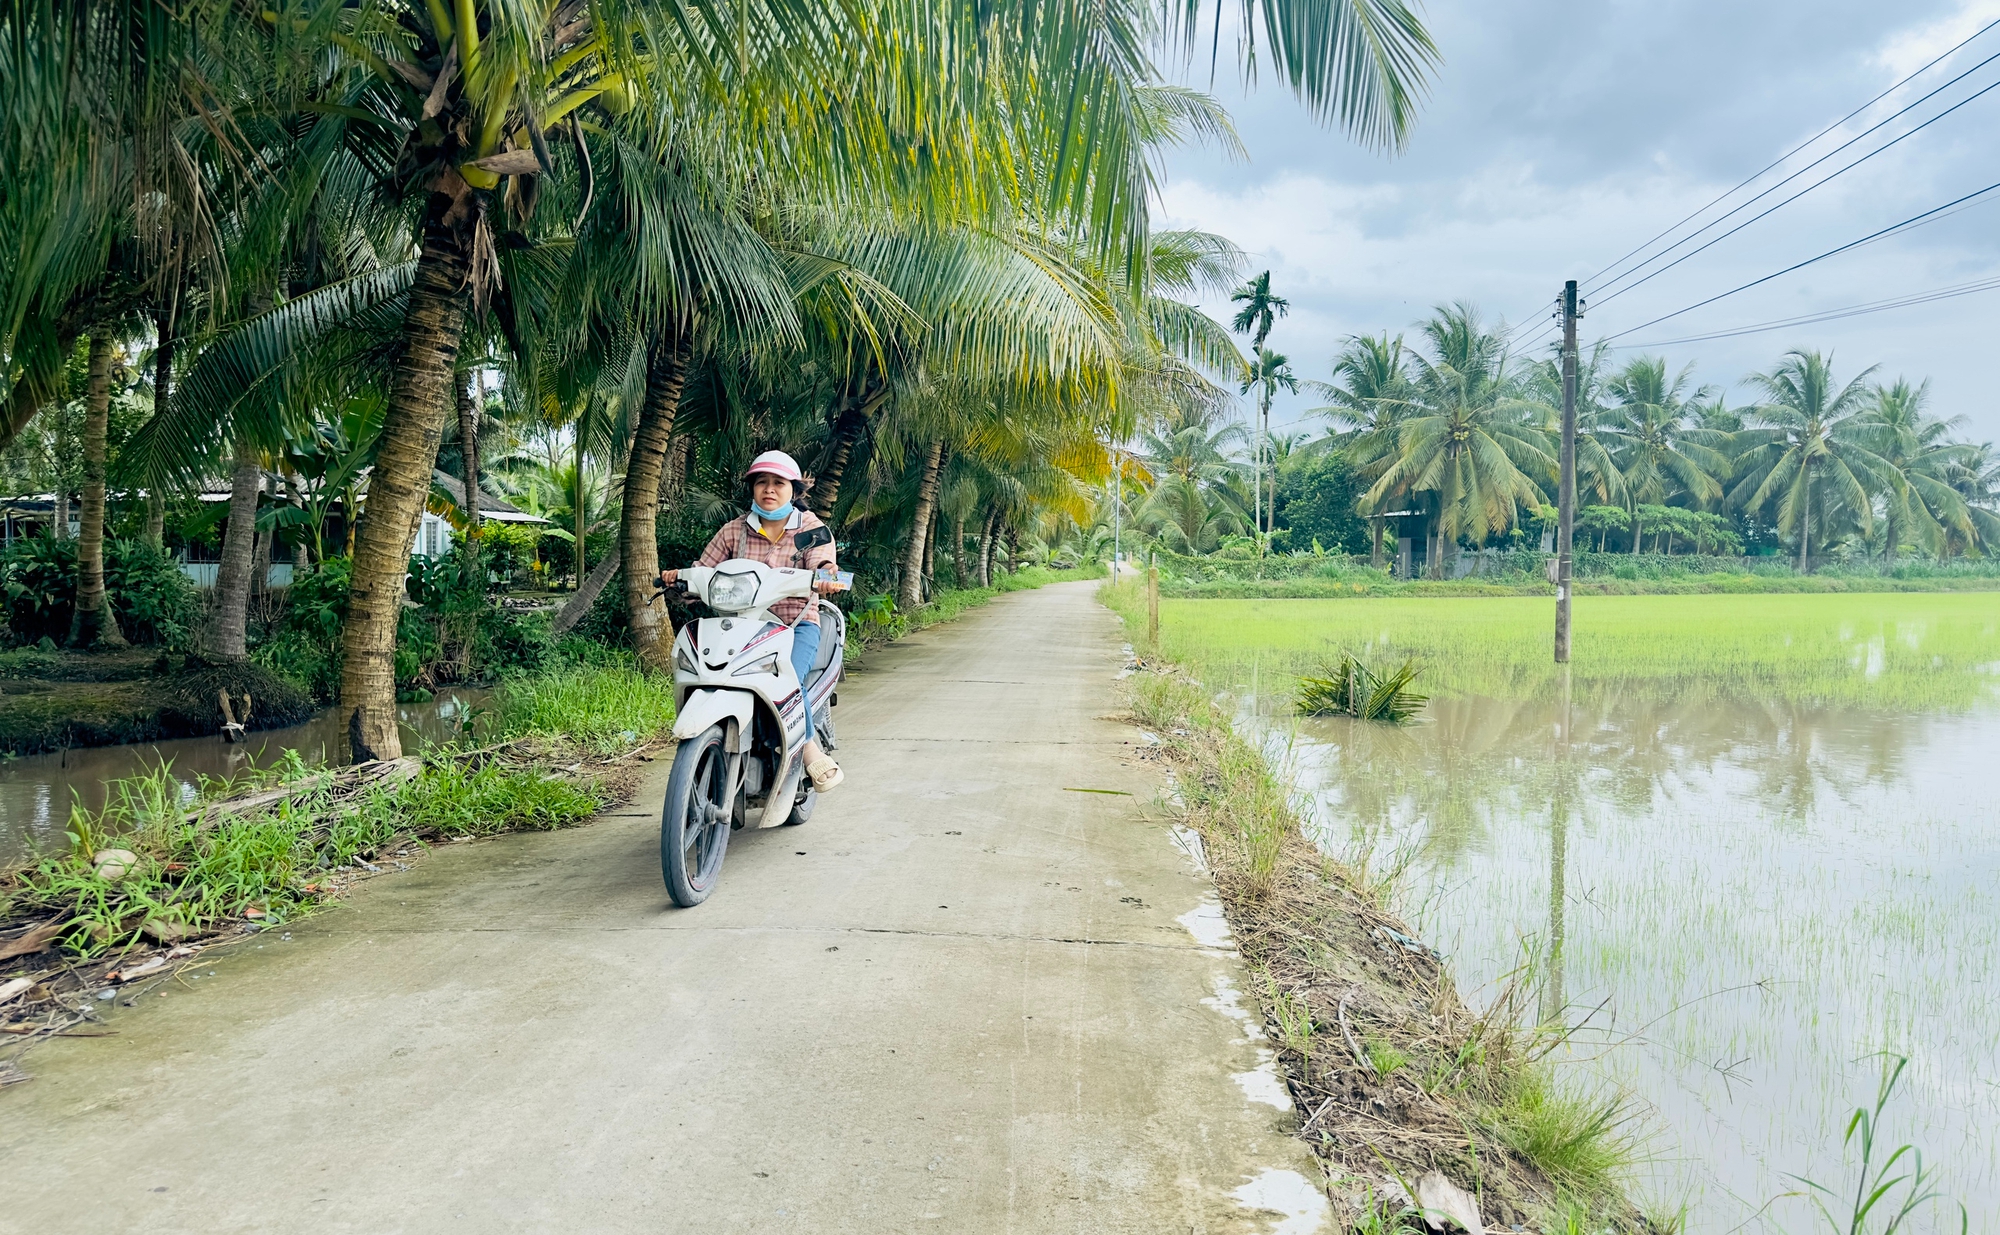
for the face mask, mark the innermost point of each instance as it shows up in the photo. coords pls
(782, 512)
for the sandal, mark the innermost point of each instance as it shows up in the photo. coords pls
(825, 773)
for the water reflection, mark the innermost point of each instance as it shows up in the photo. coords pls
(36, 791)
(1771, 890)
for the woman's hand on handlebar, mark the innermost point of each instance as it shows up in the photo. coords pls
(668, 578)
(827, 587)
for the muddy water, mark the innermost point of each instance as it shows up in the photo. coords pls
(36, 791)
(1744, 902)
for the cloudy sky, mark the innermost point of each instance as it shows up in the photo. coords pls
(1561, 134)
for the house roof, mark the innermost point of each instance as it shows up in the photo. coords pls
(490, 507)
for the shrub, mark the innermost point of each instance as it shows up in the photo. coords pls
(153, 598)
(38, 581)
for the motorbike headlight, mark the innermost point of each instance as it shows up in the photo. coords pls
(767, 665)
(732, 592)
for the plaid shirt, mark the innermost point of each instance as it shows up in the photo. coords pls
(744, 538)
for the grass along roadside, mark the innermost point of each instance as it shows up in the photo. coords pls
(157, 875)
(1395, 1078)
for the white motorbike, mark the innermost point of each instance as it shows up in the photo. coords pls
(740, 716)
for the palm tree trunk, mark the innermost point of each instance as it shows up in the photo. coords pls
(301, 559)
(93, 623)
(958, 551)
(986, 549)
(163, 383)
(229, 619)
(1805, 526)
(419, 395)
(911, 593)
(468, 452)
(1638, 531)
(847, 429)
(930, 554)
(639, 527)
(1375, 547)
(579, 504)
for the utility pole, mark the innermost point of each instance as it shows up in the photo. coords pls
(1566, 495)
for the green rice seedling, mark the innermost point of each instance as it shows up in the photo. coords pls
(1922, 651)
(1347, 687)
(1880, 1203)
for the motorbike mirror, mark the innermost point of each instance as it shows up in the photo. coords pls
(813, 538)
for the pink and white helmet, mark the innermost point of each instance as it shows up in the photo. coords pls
(776, 463)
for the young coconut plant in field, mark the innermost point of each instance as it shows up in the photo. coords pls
(1347, 687)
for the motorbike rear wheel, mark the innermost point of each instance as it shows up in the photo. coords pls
(802, 808)
(694, 821)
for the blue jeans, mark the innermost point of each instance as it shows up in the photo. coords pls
(805, 650)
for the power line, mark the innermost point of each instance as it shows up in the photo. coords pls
(1828, 315)
(1912, 221)
(1795, 175)
(1779, 161)
(1794, 197)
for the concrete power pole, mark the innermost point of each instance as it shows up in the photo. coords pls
(1566, 496)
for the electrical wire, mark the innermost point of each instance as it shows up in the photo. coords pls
(1915, 220)
(1779, 161)
(1829, 315)
(1605, 299)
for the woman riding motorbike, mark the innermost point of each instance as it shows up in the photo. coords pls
(767, 533)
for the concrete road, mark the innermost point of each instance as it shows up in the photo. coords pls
(962, 999)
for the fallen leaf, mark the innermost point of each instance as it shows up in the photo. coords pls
(13, 987)
(34, 941)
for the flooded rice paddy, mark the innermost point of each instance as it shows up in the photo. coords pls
(37, 791)
(1751, 842)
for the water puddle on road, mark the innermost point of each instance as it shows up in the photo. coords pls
(36, 791)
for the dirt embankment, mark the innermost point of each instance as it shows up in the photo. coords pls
(1417, 1105)
(62, 700)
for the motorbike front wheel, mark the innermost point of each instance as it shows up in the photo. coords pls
(694, 823)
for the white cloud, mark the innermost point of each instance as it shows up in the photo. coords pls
(1909, 50)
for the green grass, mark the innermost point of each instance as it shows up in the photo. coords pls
(1877, 650)
(605, 709)
(196, 879)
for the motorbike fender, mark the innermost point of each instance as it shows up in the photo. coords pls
(708, 707)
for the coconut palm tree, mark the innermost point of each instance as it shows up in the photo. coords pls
(1921, 457)
(1269, 373)
(1369, 396)
(1809, 452)
(1471, 439)
(1659, 453)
